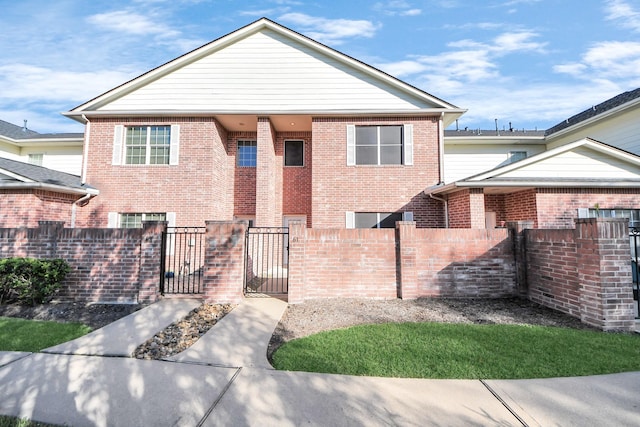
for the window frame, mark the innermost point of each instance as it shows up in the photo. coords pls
(293, 141)
(351, 219)
(36, 159)
(144, 216)
(253, 162)
(514, 154)
(379, 144)
(149, 145)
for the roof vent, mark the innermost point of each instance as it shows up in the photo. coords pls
(24, 128)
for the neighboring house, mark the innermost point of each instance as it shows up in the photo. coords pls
(584, 166)
(267, 125)
(58, 151)
(31, 193)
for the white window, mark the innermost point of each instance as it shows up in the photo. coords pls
(294, 153)
(515, 156)
(376, 219)
(134, 220)
(247, 155)
(632, 214)
(35, 159)
(146, 145)
(380, 145)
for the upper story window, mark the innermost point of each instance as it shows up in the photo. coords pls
(35, 159)
(515, 156)
(247, 155)
(146, 145)
(380, 145)
(294, 153)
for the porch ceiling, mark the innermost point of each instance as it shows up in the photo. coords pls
(281, 122)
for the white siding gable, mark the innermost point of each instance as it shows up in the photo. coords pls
(267, 72)
(580, 162)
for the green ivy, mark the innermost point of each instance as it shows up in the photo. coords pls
(29, 280)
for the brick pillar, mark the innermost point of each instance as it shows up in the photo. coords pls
(476, 208)
(297, 238)
(517, 230)
(268, 177)
(606, 292)
(49, 233)
(407, 257)
(224, 261)
(150, 258)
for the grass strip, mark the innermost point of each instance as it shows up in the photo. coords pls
(461, 351)
(35, 335)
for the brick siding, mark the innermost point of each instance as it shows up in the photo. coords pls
(24, 208)
(338, 188)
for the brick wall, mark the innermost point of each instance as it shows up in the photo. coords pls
(372, 263)
(105, 263)
(557, 207)
(583, 272)
(24, 208)
(521, 206)
(459, 209)
(199, 187)
(297, 184)
(338, 188)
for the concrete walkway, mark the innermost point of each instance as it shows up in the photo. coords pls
(225, 380)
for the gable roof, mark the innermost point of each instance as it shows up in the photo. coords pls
(632, 96)
(14, 174)
(583, 163)
(114, 100)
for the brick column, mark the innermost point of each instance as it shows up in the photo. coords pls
(517, 230)
(268, 177)
(150, 258)
(49, 233)
(406, 264)
(297, 232)
(476, 208)
(224, 261)
(606, 293)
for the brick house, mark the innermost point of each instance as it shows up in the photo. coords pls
(267, 125)
(585, 166)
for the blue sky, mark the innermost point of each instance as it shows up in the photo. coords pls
(529, 62)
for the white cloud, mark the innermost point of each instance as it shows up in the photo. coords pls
(397, 7)
(607, 61)
(624, 13)
(124, 21)
(27, 83)
(330, 31)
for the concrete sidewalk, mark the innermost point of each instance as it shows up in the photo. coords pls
(241, 389)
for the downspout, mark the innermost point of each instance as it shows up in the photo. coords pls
(85, 150)
(446, 208)
(83, 174)
(441, 147)
(74, 207)
(441, 168)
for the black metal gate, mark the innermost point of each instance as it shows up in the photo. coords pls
(266, 261)
(182, 260)
(634, 240)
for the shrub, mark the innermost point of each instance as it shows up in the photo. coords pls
(30, 281)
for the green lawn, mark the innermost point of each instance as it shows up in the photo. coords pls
(441, 350)
(6, 421)
(34, 335)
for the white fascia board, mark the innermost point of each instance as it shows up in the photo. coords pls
(534, 183)
(52, 187)
(232, 37)
(495, 140)
(15, 176)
